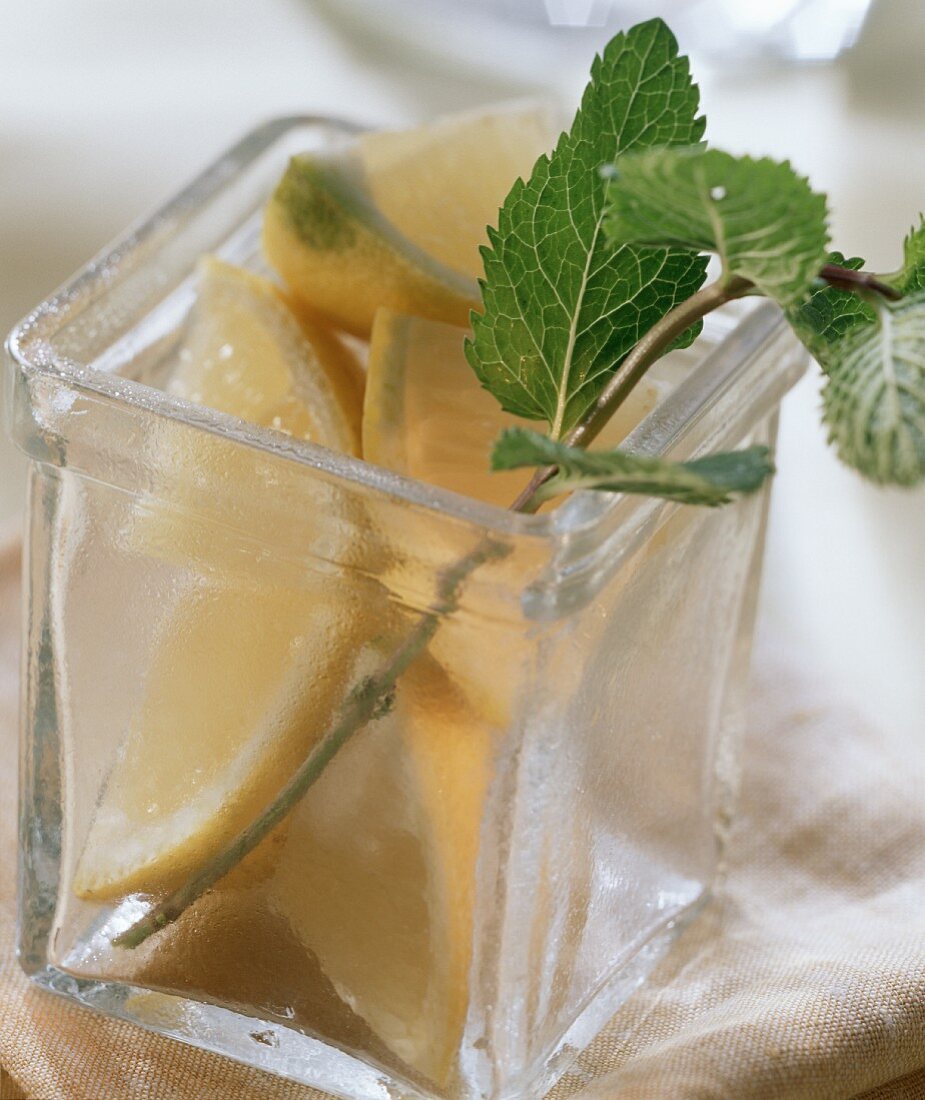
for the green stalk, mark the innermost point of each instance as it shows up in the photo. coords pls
(650, 348)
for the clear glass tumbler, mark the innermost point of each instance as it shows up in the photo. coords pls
(486, 868)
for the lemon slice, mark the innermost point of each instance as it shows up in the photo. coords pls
(246, 669)
(427, 416)
(443, 183)
(397, 219)
(377, 877)
(242, 682)
(247, 353)
(341, 258)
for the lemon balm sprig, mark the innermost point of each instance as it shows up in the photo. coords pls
(768, 229)
(595, 270)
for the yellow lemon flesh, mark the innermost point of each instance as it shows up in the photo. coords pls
(246, 669)
(427, 416)
(247, 353)
(396, 220)
(342, 259)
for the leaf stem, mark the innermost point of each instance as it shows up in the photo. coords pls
(848, 279)
(650, 348)
(656, 341)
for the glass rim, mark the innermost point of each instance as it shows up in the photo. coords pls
(29, 345)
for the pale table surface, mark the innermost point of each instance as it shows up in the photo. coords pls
(106, 106)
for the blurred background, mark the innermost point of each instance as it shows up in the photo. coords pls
(107, 106)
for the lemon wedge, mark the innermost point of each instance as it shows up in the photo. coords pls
(341, 258)
(377, 877)
(397, 218)
(247, 353)
(427, 416)
(246, 668)
(443, 183)
(243, 680)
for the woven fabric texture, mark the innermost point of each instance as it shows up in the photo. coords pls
(805, 979)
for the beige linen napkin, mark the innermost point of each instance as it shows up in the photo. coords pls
(806, 981)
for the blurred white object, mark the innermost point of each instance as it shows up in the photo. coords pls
(536, 41)
(798, 30)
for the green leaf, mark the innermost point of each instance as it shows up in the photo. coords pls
(710, 481)
(911, 276)
(829, 313)
(562, 308)
(874, 397)
(763, 220)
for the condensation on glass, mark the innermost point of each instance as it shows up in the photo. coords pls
(484, 872)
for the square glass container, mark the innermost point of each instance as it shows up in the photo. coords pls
(489, 865)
